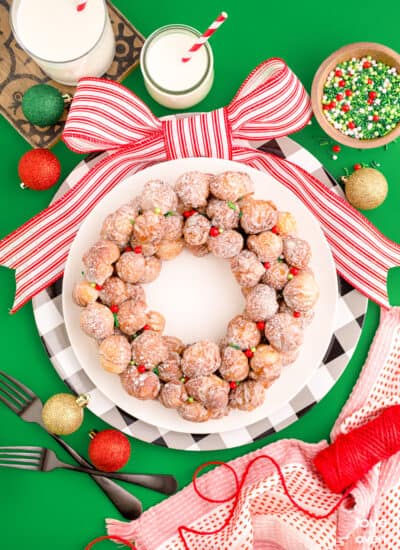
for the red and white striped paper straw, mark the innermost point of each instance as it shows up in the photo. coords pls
(205, 36)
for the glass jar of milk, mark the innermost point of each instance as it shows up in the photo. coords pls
(168, 80)
(66, 43)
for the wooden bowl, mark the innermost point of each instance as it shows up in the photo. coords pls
(359, 49)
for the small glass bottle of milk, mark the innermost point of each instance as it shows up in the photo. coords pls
(66, 43)
(168, 80)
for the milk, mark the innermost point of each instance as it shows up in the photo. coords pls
(169, 81)
(66, 43)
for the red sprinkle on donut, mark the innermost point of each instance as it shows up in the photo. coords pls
(296, 314)
(214, 232)
(141, 369)
(294, 271)
(98, 287)
(267, 265)
(275, 230)
(128, 249)
(137, 250)
(114, 308)
(147, 327)
(261, 325)
(232, 385)
(248, 353)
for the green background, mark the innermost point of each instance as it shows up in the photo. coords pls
(65, 510)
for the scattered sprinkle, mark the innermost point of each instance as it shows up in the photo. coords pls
(374, 164)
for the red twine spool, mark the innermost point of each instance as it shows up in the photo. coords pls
(352, 455)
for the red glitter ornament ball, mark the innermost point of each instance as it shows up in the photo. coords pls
(109, 450)
(39, 169)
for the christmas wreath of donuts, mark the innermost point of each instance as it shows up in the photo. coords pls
(205, 213)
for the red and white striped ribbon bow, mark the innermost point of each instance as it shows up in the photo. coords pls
(106, 116)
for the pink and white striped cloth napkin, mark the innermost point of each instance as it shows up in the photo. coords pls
(265, 519)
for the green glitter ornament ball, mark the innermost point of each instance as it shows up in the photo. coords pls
(43, 105)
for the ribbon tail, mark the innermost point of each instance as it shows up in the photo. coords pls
(39, 249)
(362, 254)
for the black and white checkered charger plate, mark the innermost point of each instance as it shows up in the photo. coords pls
(349, 320)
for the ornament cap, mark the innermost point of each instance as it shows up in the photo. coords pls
(67, 98)
(82, 400)
(93, 433)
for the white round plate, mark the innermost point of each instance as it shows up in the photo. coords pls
(198, 297)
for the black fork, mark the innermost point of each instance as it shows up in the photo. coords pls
(46, 460)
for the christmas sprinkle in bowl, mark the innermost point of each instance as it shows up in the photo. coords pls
(359, 73)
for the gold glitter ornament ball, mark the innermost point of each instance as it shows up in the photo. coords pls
(365, 188)
(62, 414)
